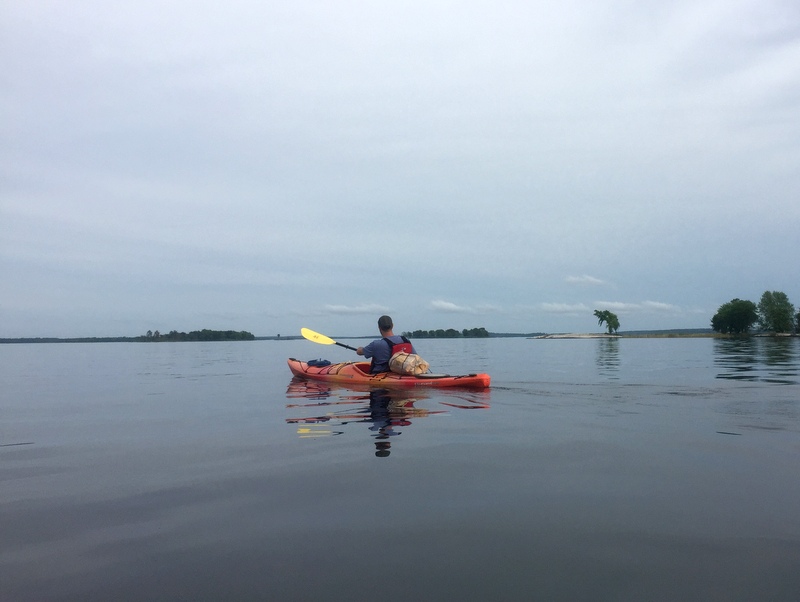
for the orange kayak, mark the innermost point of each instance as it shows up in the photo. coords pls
(357, 373)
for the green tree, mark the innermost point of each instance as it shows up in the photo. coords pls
(735, 317)
(611, 319)
(475, 332)
(775, 313)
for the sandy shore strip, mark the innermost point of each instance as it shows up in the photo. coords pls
(578, 336)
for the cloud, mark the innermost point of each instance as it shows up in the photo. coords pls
(660, 307)
(585, 279)
(620, 306)
(643, 307)
(368, 309)
(451, 308)
(564, 308)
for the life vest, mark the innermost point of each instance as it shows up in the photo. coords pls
(405, 347)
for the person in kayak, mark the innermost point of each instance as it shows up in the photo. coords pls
(381, 350)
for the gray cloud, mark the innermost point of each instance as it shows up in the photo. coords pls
(449, 307)
(585, 279)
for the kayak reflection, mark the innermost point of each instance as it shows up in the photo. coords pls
(386, 412)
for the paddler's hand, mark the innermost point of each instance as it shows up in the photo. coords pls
(360, 351)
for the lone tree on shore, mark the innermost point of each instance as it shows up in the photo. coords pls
(775, 313)
(611, 319)
(735, 317)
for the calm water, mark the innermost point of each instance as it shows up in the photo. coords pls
(642, 469)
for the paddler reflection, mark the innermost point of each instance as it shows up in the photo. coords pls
(386, 412)
(389, 410)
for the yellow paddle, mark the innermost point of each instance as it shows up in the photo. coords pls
(316, 337)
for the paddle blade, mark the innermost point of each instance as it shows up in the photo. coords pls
(316, 337)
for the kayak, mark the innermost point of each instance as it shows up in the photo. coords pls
(357, 373)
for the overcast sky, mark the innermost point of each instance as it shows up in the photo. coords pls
(515, 165)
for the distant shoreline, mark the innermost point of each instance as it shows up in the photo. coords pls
(21, 340)
(663, 335)
(633, 335)
(687, 333)
(674, 333)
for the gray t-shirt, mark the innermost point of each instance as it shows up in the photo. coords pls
(380, 352)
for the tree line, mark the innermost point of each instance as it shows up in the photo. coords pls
(450, 333)
(773, 313)
(199, 335)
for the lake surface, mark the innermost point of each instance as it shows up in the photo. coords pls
(633, 469)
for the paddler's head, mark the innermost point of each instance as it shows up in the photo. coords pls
(385, 324)
(383, 449)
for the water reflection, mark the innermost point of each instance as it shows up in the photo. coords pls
(758, 359)
(607, 359)
(387, 413)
